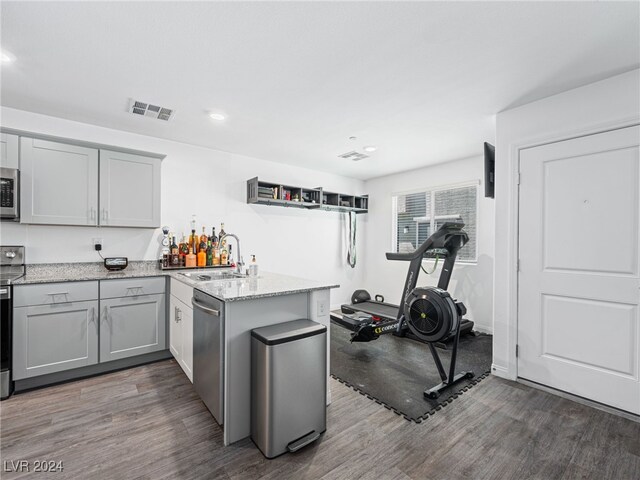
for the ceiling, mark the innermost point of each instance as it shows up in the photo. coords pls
(421, 81)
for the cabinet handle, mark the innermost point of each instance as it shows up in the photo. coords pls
(106, 314)
(61, 293)
(105, 214)
(93, 315)
(178, 314)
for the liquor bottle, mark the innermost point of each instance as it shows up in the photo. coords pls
(216, 254)
(213, 237)
(209, 254)
(222, 232)
(184, 250)
(203, 238)
(175, 253)
(190, 259)
(202, 243)
(224, 256)
(202, 258)
(193, 235)
(230, 259)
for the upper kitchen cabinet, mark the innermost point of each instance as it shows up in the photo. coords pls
(71, 182)
(129, 190)
(59, 183)
(8, 150)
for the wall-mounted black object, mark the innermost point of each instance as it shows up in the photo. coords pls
(489, 169)
(116, 263)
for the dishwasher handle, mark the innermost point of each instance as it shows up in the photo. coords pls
(210, 311)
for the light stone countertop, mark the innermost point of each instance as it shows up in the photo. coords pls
(266, 284)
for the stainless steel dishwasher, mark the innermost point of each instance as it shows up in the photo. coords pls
(208, 351)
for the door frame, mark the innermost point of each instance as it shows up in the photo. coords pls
(513, 210)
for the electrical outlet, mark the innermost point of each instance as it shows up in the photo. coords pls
(97, 244)
(322, 308)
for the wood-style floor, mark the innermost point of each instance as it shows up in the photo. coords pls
(148, 423)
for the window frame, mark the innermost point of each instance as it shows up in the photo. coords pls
(432, 190)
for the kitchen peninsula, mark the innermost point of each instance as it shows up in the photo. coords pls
(141, 290)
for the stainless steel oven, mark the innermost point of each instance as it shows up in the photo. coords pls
(11, 268)
(9, 194)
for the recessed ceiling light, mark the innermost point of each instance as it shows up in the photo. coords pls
(369, 148)
(217, 116)
(353, 138)
(7, 57)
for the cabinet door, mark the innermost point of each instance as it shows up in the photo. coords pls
(52, 338)
(132, 326)
(59, 183)
(8, 150)
(129, 190)
(186, 320)
(175, 329)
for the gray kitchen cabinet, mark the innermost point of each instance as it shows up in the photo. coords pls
(8, 150)
(132, 326)
(129, 190)
(59, 183)
(55, 337)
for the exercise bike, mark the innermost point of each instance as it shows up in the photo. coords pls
(428, 313)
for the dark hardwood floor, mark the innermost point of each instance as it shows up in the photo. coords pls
(148, 423)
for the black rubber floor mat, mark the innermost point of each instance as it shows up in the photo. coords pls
(395, 371)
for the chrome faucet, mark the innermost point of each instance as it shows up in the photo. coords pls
(239, 262)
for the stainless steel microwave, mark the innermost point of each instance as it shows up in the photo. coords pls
(9, 183)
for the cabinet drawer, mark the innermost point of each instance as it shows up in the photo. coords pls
(131, 287)
(181, 291)
(53, 293)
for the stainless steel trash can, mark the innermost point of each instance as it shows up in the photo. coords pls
(288, 385)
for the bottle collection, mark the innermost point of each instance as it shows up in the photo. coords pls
(198, 251)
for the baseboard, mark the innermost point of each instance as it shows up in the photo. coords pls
(482, 328)
(502, 372)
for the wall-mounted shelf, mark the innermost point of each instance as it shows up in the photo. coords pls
(270, 193)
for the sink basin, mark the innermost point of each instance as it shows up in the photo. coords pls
(211, 276)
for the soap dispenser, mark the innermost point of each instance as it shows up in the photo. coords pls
(253, 267)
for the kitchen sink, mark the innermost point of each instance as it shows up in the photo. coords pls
(211, 276)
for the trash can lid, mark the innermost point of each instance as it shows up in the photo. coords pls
(287, 331)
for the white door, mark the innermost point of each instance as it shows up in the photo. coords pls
(579, 287)
(59, 183)
(129, 190)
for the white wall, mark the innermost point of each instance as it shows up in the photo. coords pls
(212, 185)
(470, 283)
(610, 103)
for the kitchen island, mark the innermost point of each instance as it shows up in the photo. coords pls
(247, 303)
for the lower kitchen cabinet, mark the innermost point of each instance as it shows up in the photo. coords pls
(55, 337)
(181, 329)
(132, 326)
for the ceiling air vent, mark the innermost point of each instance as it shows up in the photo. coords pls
(355, 156)
(149, 110)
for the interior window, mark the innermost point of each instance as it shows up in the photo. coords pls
(418, 215)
